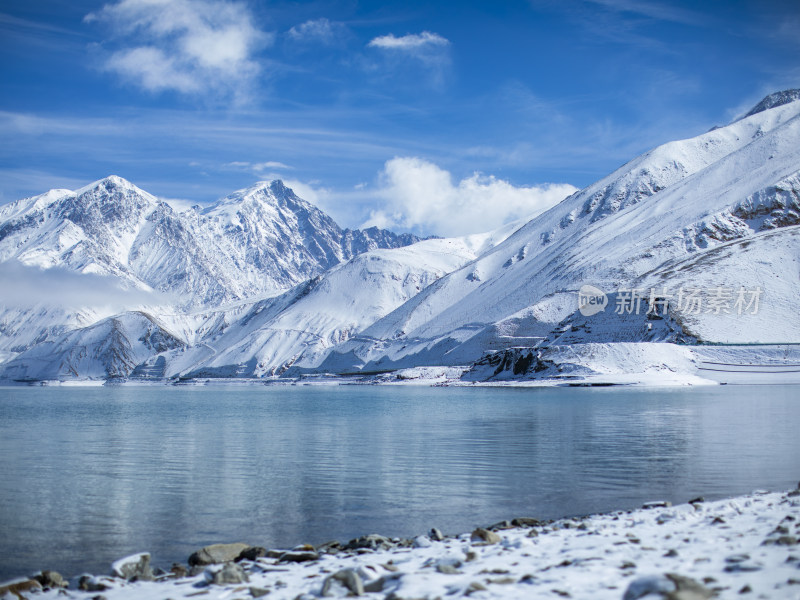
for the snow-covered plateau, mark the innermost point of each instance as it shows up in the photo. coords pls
(741, 547)
(680, 267)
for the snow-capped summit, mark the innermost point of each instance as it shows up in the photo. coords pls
(257, 241)
(774, 100)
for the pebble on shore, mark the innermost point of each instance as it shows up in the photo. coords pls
(743, 547)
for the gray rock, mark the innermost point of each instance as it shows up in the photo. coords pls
(51, 579)
(372, 541)
(485, 536)
(449, 566)
(301, 556)
(475, 586)
(526, 522)
(133, 568)
(657, 504)
(422, 541)
(89, 583)
(178, 570)
(668, 587)
(737, 558)
(382, 584)
(257, 592)
(251, 553)
(688, 589)
(229, 573)
(743, 567)
(347, 579)
(332, 547)
(653, 584)
(15, 588)
(784, 540)
(436, 535)
(217, 553)
(446, 569)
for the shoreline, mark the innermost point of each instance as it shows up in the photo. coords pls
(586, 364)
(740, 547)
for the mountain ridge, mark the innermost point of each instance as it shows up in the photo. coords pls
(721, 209)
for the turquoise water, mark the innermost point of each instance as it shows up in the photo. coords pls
(88, 475)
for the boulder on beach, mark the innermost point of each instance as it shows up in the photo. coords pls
(251, 553)
(17, 586)
(669, 587)
(135, 567)
(346, 580)
(485, 536)
(229, 573)
(51, 580)
(90, 583)
(298, 556)
(217, 553)
(372, 541)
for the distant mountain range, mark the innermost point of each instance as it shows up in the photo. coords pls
(263, 284)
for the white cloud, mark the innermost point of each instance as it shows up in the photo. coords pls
(25, 286)
(259, 168)
(178, 204)
(412, 41)
(321, 30)
(189, 46)
(270, 164)
(419, 195)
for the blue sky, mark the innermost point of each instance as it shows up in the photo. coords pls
(436, 117)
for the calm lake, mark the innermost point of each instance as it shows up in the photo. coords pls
(88, 475)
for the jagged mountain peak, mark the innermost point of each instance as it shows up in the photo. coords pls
(258, 240)
(274, 194)
(113, 184)
(774, 100)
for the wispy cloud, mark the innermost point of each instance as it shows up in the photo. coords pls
(412, 41)
(12, 23)
(429, 50)
(655, 10)
(259, 168)
(417, 194)
(321, 30)
(186, 46)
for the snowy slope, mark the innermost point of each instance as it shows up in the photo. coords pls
(256, 242)
(256, 338)
(108, 349)
(670, 205)
(329, 310)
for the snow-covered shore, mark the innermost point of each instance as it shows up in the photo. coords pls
(742, 547)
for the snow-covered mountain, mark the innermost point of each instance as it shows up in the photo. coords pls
(258, 338)
(717, 216)
(114, 237)
(717, 210)
(258, 241)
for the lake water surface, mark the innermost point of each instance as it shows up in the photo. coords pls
(88, 475)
